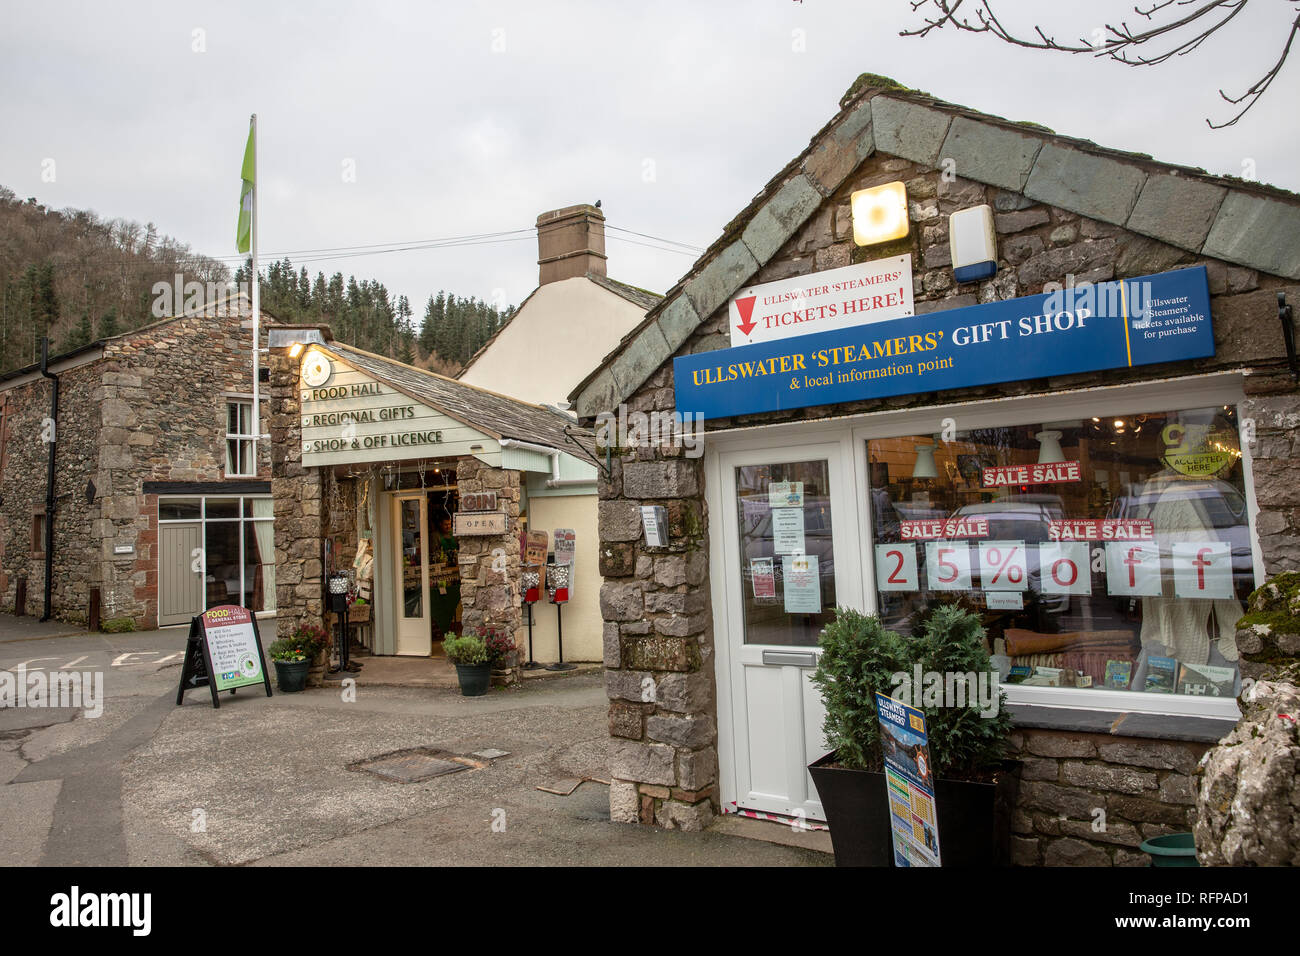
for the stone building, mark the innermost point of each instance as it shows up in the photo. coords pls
(1168, 412)
(161, 495)
(414, 482)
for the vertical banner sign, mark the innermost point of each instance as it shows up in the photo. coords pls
(909, 783)
(223, 652)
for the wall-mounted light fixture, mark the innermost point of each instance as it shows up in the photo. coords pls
(295, 350)
(879, 214)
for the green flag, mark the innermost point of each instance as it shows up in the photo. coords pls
(245, 231)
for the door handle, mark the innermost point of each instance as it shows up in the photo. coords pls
(795, 658)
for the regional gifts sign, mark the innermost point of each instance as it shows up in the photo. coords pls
(1143, 321)
(834, 299)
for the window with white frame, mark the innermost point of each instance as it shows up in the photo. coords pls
(1108, 552)
(241, 439)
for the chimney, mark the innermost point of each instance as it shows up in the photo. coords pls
(570, 243)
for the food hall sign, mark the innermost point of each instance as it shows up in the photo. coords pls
(347, 416)
(1143, 321)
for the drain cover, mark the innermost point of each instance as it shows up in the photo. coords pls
(412, 768)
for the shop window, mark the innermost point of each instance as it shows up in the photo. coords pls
(1106, 553)
(238, 546)
(787, 556)
(241, 442)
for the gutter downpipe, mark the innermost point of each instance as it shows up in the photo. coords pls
(555, 481)
(49, 478)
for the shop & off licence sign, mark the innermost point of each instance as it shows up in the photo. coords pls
(1143, 321)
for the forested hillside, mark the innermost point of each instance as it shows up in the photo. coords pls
(75, 277)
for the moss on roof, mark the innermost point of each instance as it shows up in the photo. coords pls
(877, 81)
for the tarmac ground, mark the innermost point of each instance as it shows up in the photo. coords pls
(277, 781)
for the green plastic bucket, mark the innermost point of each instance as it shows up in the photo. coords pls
(1173, 849)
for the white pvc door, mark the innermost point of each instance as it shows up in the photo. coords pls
(788, 526)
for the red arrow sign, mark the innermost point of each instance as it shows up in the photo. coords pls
(746, 308)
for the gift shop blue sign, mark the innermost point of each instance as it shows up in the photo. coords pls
(1160, 318)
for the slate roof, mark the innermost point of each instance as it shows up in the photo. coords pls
(1237, 221)
(498, 416)
(638, 297)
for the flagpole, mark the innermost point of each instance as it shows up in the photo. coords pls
(257, 410)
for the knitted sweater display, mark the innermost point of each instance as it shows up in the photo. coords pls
(1179, 627)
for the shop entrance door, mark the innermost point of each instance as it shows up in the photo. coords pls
(411, 573)
(787, 559)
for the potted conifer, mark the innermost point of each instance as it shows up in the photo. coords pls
(975, 786)
(473, 666)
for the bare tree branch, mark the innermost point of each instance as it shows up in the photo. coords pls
(1176, 36)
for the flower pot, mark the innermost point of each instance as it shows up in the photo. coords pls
(474, 679)
(1172, 849)
(974, 818)
(291, 676)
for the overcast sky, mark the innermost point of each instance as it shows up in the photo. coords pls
(473, 117)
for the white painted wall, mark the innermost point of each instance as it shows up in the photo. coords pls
(560, 334)
(583, 625)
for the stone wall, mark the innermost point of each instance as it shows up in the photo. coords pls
(300, 504)
(490, 596)
(656, 603)
(658, 644)
(1091, 799)
(150, 409)
(76, 554)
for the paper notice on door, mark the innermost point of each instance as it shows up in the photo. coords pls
(787, 530)
(803, 584)
(763, 577)
(785, 494)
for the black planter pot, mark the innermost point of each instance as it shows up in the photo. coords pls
(474, 679)
(291, 676)
(974, 818)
